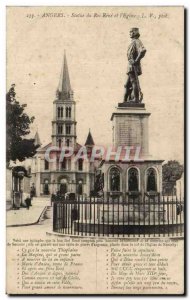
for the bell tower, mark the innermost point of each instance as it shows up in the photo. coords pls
(64, 120)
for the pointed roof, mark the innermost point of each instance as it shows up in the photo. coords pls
(64, 87)
(89, 140)
(37, 139)
(44, 148)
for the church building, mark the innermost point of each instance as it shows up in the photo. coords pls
(66, 175)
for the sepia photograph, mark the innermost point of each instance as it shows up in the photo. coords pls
(95, 200)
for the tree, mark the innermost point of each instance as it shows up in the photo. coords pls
(172, 171)
(18, 126)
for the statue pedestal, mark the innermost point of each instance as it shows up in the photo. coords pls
(130, 126)
(130, 129)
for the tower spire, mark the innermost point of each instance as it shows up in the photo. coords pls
(64, 123)
(37, 139)
(89, 141)
(64, 88)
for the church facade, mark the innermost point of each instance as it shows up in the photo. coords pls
(63, 174)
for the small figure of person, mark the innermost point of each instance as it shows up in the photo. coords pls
(28, 202)
(53, 198)
(32, 191)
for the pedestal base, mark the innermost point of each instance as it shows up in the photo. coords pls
(130, 126)
(131, 105)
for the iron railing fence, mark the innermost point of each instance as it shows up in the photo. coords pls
(138, 216)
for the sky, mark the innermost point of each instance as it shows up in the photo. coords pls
(96, 47)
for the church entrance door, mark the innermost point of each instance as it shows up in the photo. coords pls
(63, 188)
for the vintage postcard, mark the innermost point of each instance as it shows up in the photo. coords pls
(95, 150)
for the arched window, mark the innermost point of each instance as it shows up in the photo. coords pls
(59, 143)
(114, 179)
(68, 142)
(60, 129)
(46, 187)
(58, 112)
(46, 165)
(61, 112)
(151, 180)
(133, 180)
(63, 163)
(69, 111)
(68, 129)
(80, 164)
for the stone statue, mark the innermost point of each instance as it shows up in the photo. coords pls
(133, 181)
(151, 182)
(135, 53)
(115, 181)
